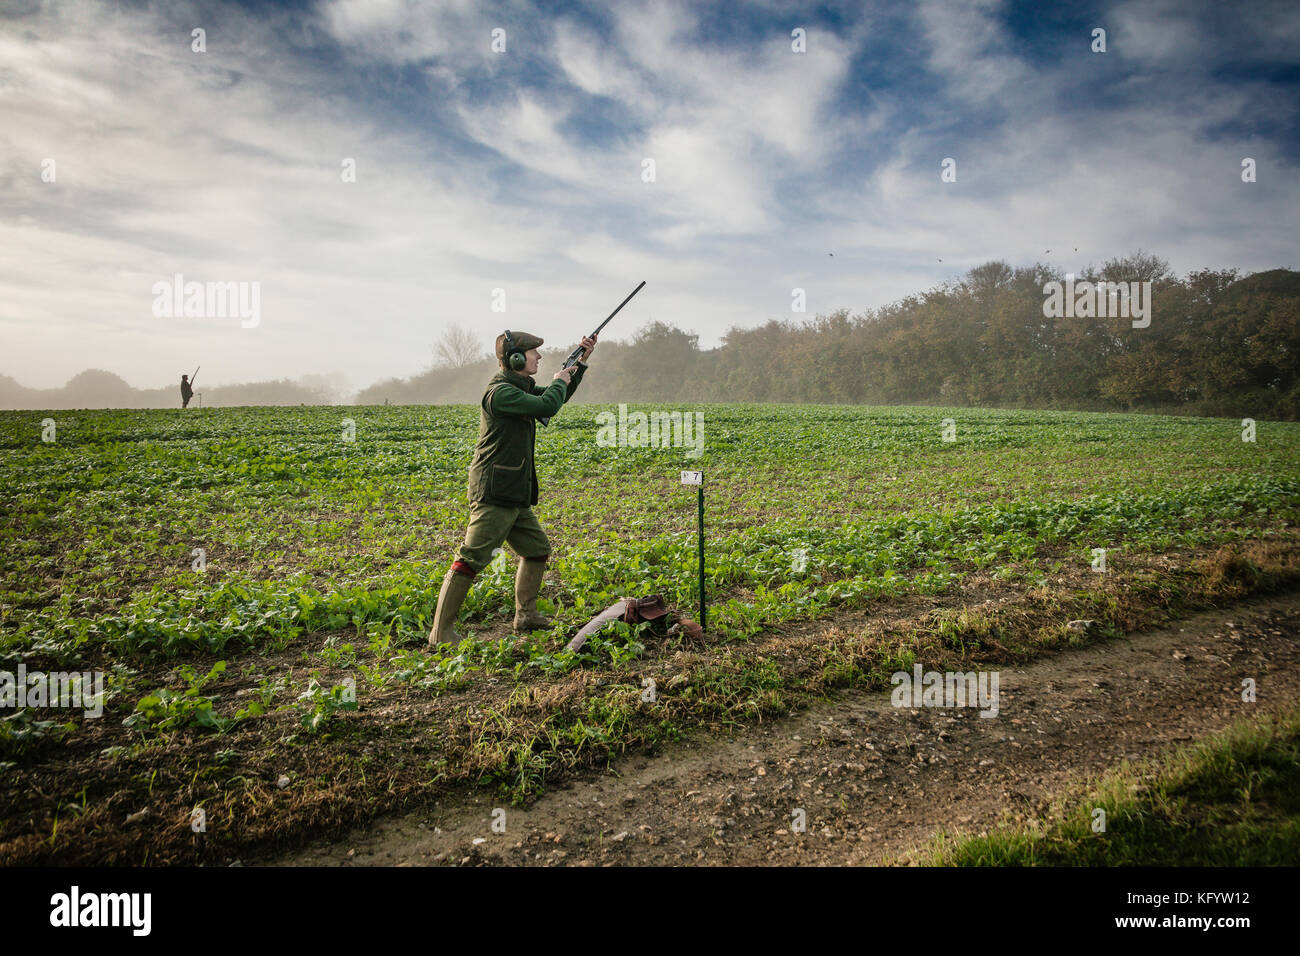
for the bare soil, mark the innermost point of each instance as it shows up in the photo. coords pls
(875, 782)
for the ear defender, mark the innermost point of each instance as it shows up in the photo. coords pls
(515, 357)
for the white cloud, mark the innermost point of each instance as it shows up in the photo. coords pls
(967, 48)
(1155, 33)
(402, 30)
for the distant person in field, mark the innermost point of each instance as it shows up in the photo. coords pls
(503, 482)
(187, 391)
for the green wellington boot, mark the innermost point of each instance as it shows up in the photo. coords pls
(454, 588)
(528, 584)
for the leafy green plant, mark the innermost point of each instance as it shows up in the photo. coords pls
(21, 732)
(621, 641)
(165, 709)
(342, 655)
(318, 704)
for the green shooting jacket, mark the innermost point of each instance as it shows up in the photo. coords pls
(502, 471)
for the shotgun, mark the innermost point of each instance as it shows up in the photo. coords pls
(576, 356)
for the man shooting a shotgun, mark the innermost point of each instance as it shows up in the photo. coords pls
(187, 388)
(503, 479)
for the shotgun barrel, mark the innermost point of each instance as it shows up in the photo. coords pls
(576, 356)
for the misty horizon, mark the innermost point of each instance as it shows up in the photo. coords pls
(1026, 337)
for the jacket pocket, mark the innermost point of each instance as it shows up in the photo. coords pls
(509, 482)
(478, 482)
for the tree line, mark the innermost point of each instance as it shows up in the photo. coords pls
(1218, 343)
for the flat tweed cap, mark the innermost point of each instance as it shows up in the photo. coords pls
(523, 341)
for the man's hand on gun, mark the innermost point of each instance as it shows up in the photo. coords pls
(588, 346)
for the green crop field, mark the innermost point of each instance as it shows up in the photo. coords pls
(247, 578)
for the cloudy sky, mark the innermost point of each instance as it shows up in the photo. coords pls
(524, 169)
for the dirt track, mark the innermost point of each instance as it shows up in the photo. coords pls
(873, 780)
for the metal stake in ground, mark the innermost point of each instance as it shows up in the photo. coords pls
(697, 478)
